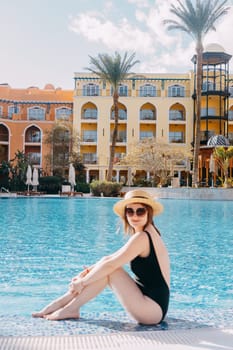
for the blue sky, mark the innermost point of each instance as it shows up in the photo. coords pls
(46, 41)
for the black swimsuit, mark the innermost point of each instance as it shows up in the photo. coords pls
(149, 278)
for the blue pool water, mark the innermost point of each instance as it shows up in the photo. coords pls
(46, 241)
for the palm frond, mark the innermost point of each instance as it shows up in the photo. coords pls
(196, 20)
(114, 68)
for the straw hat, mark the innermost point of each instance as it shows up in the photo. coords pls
(137, 196)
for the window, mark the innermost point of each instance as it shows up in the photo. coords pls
(230, 114)
(231, 91)
(14, 109)
(176, 91)
(209, 112)
(147, 90)
(91, 90)
(123, 90)
(121, 136)
(146, 135)
(176, 137)
(89, 158)
(147, 114)
(36, 113)
(90, 136)
(122, 114)
(208, 86)
(33, 135)
(1, 111)
(4, 134)
(89, 113)
(63, 113)
(34, 158)
(176, 114)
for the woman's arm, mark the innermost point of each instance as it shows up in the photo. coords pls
(136, 245)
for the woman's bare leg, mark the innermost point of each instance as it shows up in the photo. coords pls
(71, 310)
(143, 309)
(140, 307)
(55, 305)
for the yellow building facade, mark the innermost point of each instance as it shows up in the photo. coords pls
(151, 105)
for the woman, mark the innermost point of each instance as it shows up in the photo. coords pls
(146, 298)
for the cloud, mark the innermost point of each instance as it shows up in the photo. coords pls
(121, 36)
(158, 49)
(139, 3)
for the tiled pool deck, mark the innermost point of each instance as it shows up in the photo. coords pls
(111, 331)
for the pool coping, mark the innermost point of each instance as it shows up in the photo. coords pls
(191, 339)
(203, 193)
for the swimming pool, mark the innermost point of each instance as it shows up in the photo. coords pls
(46, 241)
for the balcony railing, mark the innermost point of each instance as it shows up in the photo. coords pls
(176, 137)
(34, 158)
(89, 158)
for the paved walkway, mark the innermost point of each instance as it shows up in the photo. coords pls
(196, 339)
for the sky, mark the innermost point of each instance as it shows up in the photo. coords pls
(47, 41)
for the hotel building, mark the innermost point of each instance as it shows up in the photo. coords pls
(160, 106)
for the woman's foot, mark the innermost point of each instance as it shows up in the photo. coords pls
(38, 314)
(55, 305)
(47, 310)
(62, 314)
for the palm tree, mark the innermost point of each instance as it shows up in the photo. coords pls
(112, 69)
(197, 20)
(222, 156)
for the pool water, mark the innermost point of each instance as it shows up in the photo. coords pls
(46, 241)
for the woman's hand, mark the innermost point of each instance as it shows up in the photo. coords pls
(81, 274)
(76, 286)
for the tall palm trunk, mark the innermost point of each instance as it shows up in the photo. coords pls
(197, 138)
(114, 135)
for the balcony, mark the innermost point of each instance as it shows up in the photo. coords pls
(176, 115)
(89, 158)
(147, 114)
(205, 136)
(89, 136)
(34, 158)
(176, 137)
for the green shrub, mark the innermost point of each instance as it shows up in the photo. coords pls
(50, 184)
(82, 187)
(105, 188)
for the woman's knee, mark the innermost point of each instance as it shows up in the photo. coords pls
(115, 275)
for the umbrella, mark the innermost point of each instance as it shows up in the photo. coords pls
(212, 164)
(212, 168)
(29, 176)
(72, 176)
(35, 181)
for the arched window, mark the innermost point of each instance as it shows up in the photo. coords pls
(147, 90)
(91, 90)
(176, 91)
(4, 133)
(36, 113)
(33, 134)
(147, 112)
(63, 113)
(122, 114)
(177, 112)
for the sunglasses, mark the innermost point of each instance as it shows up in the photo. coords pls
(139, 211)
